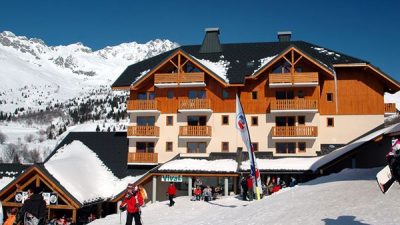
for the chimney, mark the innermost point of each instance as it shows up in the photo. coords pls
(211, 43)
(284, 36)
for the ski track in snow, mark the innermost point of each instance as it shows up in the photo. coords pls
(350, 197)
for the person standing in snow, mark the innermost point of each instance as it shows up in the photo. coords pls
(393, 159)
(34, 209)
(250, 187)
(171, 192)
(243, 183)
(132, 202)
(11, 213)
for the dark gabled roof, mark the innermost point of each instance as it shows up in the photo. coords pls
(111, 148)
(12, 169)
(244, 58)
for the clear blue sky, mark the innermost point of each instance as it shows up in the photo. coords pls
(365, 29)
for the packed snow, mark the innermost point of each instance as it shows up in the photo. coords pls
(219, 68)
(95, 180)
(263, 62)
(349, 197)
(221, 165)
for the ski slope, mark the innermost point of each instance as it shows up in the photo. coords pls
(350, 197)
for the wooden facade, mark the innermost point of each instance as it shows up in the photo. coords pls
(195, 131)
(142, 157)
(143, 131)
(36, 177)
(295, 131)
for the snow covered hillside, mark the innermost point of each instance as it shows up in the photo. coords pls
(349, 197)
(46, 89)
(34, 75)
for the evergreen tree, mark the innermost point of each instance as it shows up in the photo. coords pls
(108, 129)
(98, 128)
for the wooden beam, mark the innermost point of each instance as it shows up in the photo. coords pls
(37, 182)
(176, 66)
(74, 216)
(287, 60)
(297, 60)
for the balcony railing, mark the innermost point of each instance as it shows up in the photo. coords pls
(195, 104)
(195, 131)
(390, 108)
(143, 131)
(294, 104)
(297, 78)
(142, 105)
(141, 157)
(295, 131)
(162, 78)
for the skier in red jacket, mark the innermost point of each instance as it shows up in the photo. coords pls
(250, 187)
(171, 193)
(132, 202)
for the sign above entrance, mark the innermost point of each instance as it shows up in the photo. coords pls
(171, 178)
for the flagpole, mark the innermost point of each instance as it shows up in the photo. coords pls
(251, 152)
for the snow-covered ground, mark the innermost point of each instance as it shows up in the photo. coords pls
(350, 197)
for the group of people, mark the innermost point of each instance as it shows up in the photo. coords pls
(271, 185)
(205, 192)
(60, 221)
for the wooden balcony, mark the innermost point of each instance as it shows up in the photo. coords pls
(195, 131)
(279, 105)
(142, 105)
(195, 79)
(143, 131)
(295, 131)
(142, 158)
(303, 79)
(390, 108)
(195, 104)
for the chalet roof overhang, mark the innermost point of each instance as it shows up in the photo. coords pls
(178, 51)
(33, 174)
(318, 63)
(392, 85)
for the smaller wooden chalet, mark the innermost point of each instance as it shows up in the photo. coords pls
(79, 177)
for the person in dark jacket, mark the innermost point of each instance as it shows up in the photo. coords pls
(34, 209)
(243, 183)
(171, 192)
(132, 202)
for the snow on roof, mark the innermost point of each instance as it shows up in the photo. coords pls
(84, 175)
(326, 52)
(221, 165)
(220, 68)
(314, 163)
(5, 181)
(264, 61)
(297, 164)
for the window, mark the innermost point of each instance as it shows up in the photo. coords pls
(225, 94)
(330, 122)
(146, 96)
(284, 95)
(286, 147)
(254, 95)
(300, 94)
(170, 120)
(254, 120)
(284, 121)
(301, 120)
(301, 146)
(282, 68)
(225, 120)
(197, 94)
(170, 94)
(168, 146)
(329, 97)
(197, 120)
(196, 147)
(255, 146)
(145, 147)
(145, 120)
(225, 146)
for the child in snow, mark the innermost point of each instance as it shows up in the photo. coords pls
(197, 193)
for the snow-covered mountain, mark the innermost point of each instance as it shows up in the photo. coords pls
(34, 75)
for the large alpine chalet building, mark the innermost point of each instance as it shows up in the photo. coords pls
(300, 99)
